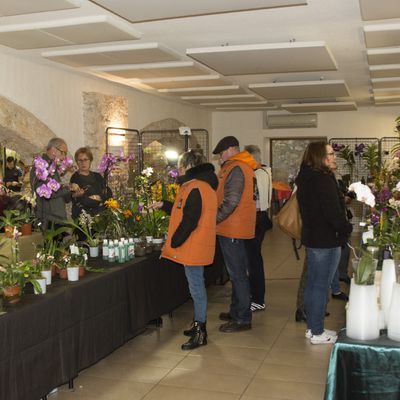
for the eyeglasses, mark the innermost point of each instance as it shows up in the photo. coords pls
(83, 160)
(62, 151)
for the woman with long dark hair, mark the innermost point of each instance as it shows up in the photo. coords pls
(325, 229)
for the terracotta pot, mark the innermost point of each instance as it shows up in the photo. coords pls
(12, 294)
(62, 273)
(54, 270)
(8, 231)
(82, 272)
(26, 229)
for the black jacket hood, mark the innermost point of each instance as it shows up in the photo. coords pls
(204, 172)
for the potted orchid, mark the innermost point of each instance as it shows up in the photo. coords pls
(9, 221)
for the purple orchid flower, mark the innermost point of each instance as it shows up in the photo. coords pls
(359, 149)
(44, 191)
(384, 195)
(41, 174)
(52, 168)
(65, 164)
(40, 163)
(337, 147)
(173, 173)
(53, 185)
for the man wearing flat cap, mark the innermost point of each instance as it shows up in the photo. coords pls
(236, 220)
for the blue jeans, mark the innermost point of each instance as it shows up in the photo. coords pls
(235, 257)
(321, 266)
(335, 285)
(197, 288)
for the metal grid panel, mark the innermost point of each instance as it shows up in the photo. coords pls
(356, 173)
(387, 144)
(155, 143)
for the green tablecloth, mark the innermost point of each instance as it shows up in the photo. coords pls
(364, 370)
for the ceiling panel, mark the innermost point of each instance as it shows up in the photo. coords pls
(266, 58)
(206, 91)
(301, 90)
(382, 35)
(382, 9)
(112, 55)
(239, 103)
(185, 82)
(379, 83)
(384, 56)
(386, 99)
(387, 104)
(63, 32)
(244, 108)
(145, 10)
(16, 7)
(154, 70)
(393, 91)
(218, 98)
(385, 71)
(320, 107)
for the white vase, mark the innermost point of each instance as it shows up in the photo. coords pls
(393, 319)
(47, 275)
(42, 284)
(149, 239)
(362, 317)
(388, 277)
(94, 251)
(73, 273)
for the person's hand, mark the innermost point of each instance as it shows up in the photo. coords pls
(156, 205)
(95, 197)
(74, 187)
(78, 193)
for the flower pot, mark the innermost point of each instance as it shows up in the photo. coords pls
(47, 273)
(388, 278)
(8, 231)
(149, 239)
(42, 284)
(12, 294)
(62, 273)
(82, 271)
(148, 248)
(158, 244)
(54, 270)
(140, 250)
(26, 229)
(73, 274)
(362, 317)
(393, 324)
(94, 251)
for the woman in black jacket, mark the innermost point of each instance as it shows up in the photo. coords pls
(325, 229)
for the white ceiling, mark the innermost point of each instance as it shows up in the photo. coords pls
(292, 55)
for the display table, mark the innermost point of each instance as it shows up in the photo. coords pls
(364, 370)
(46, 340)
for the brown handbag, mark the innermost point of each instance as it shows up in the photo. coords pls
(289, 218)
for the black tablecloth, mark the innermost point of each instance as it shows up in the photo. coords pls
(46, 340)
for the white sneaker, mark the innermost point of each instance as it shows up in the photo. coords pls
(257, 307)
(323, 339)
(308, 334)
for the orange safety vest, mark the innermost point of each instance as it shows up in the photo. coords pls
(199, 247)
(241, 224)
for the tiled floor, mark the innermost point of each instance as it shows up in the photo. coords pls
(272, 361)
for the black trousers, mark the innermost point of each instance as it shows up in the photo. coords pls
(256, 262)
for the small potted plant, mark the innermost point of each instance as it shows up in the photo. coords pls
(85, 224)
(10, 220)
(27, 218)
(11, 282)
(79, 259)
(63, 262)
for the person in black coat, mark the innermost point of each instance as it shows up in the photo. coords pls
(325, 229)
(89, 188)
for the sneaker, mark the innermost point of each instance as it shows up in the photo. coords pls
(340, 296)
(323, 339)
(254, 307)
(308, 334)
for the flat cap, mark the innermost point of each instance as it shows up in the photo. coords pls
(225, 143)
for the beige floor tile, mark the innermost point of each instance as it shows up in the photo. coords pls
(105, 389)
(285, 390)
(177, 393)
(200, 379)
(126, 372)
(292, 373)
(219, 365)
(228, 352)
(297, 358)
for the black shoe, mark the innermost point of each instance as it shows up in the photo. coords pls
(191, 331)
(233, 326)
(300, 315)
(199, 338)
(225, 316)
(340, 296)
(327, 314)
(346, 280)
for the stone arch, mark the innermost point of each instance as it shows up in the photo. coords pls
(21, 131)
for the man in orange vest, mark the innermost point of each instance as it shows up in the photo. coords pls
(236, 221)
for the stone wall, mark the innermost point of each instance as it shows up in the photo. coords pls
(22, 131)
(99, 112)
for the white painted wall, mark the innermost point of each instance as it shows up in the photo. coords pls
(54, 95)
(247, 126)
